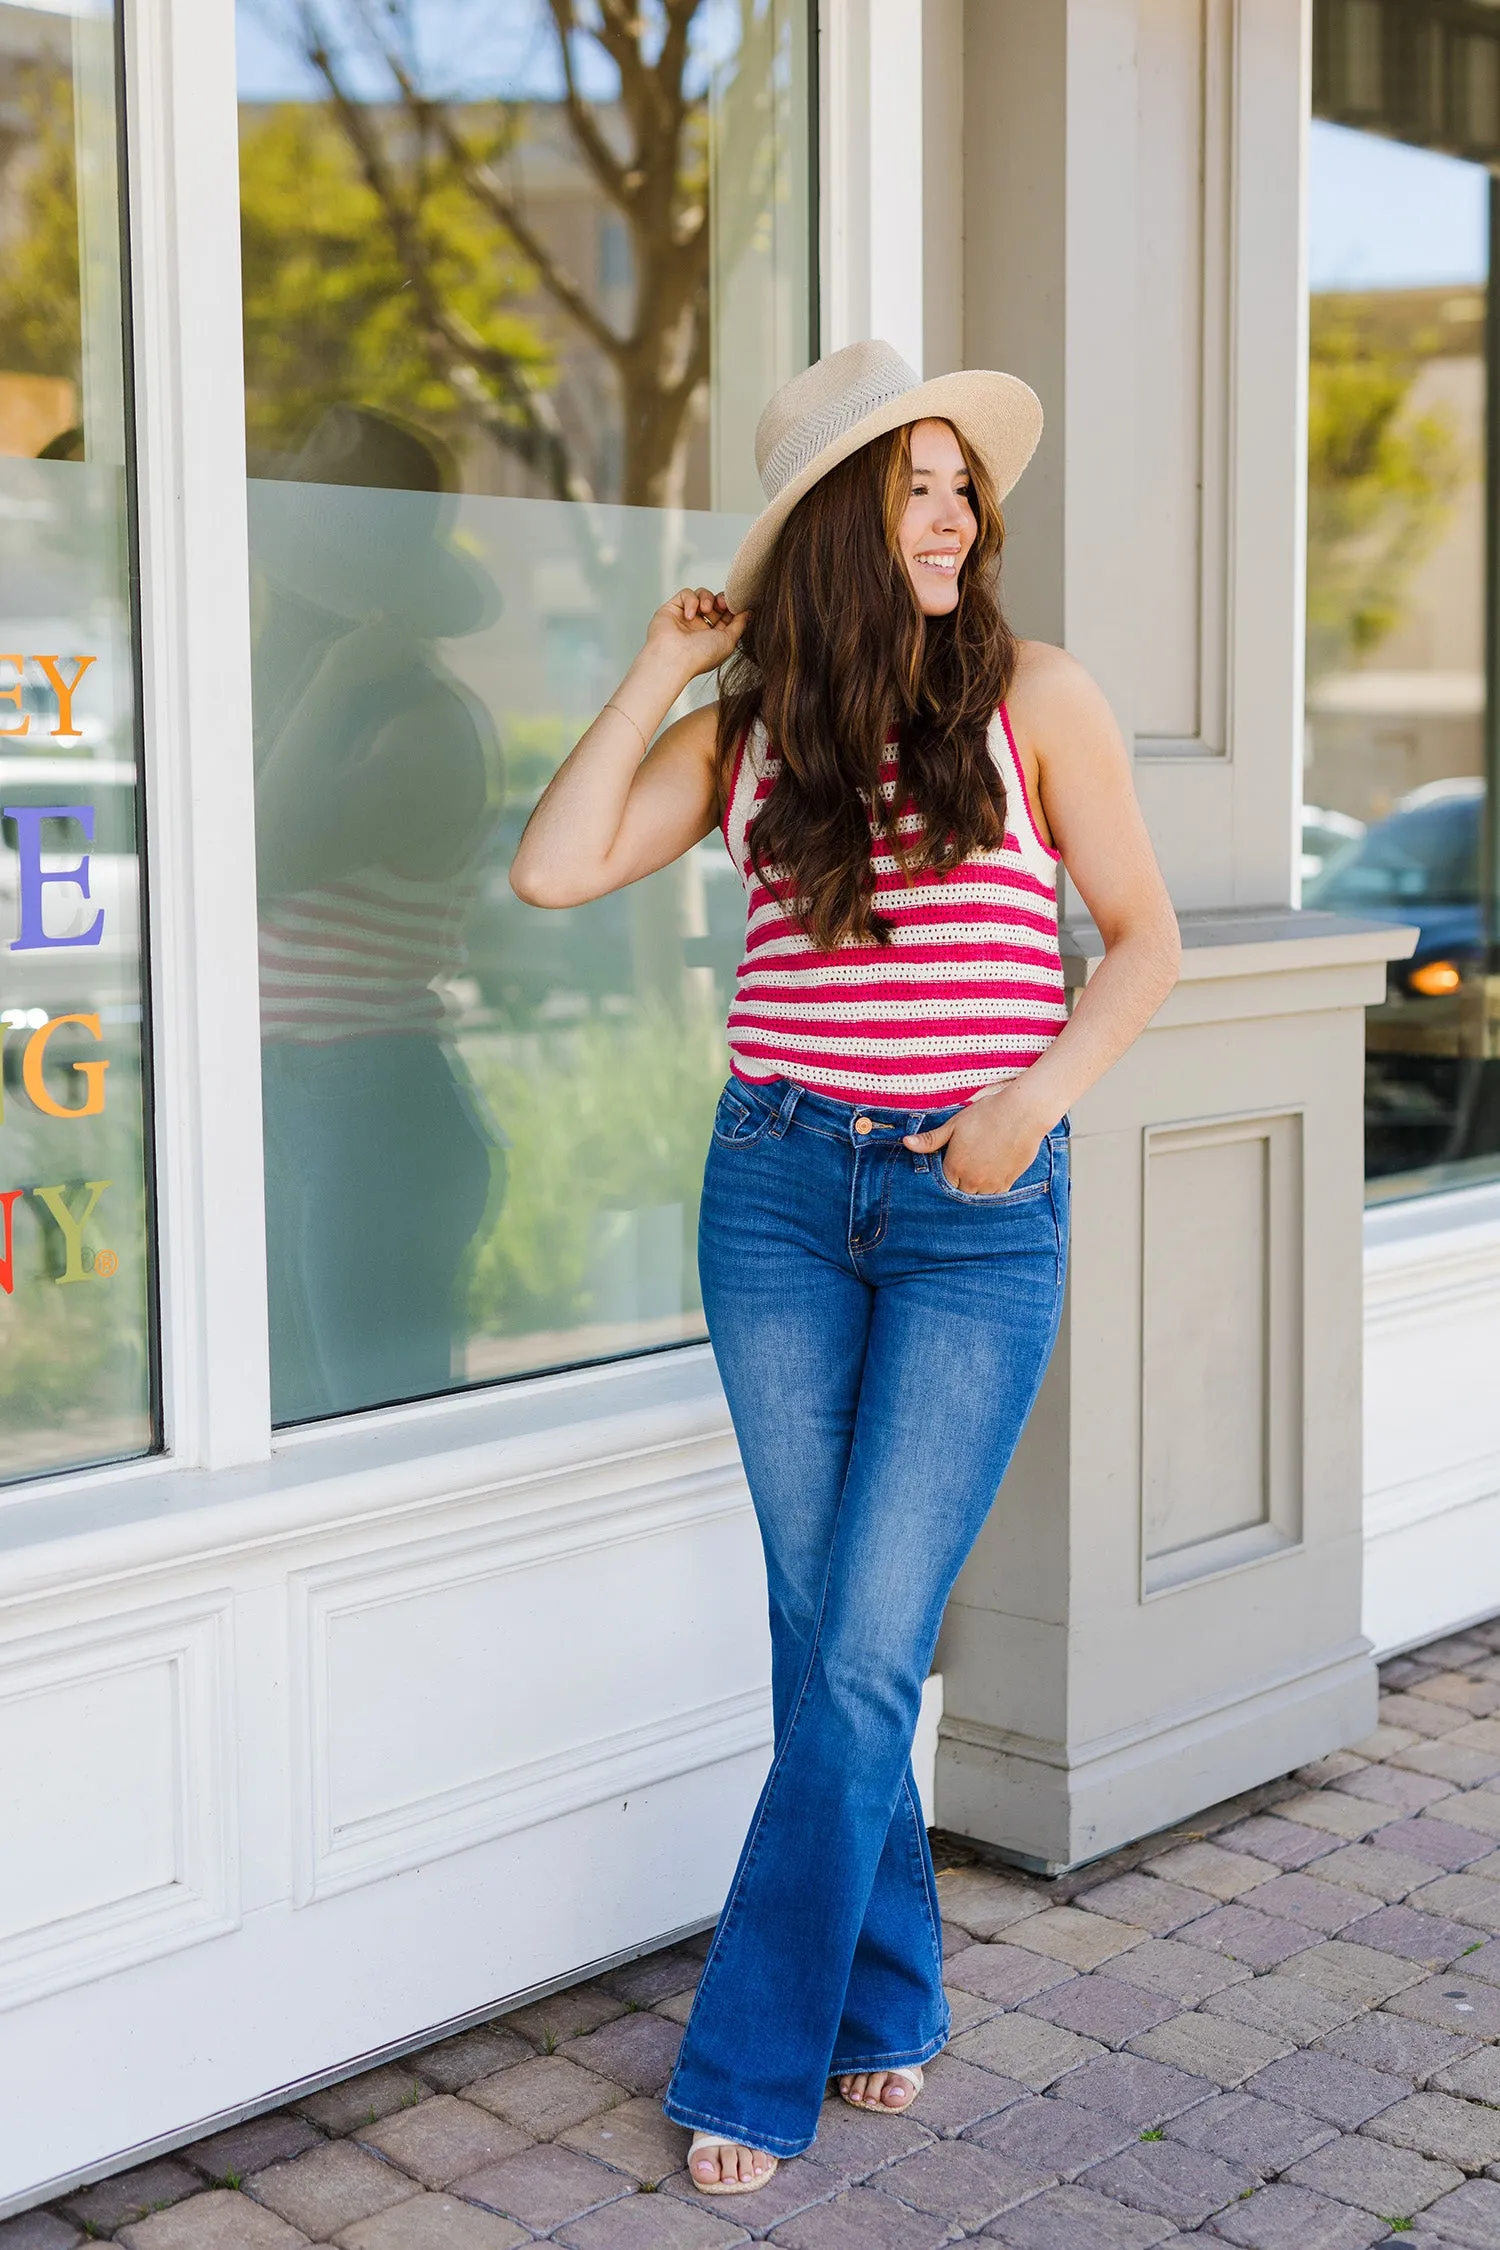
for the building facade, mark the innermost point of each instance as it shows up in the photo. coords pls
(381, 1615)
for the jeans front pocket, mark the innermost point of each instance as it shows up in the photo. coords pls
(739, 1121)
(1033, 1183)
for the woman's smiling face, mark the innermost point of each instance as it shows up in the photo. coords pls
(938, 526)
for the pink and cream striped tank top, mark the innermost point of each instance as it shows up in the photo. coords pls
(968, 991)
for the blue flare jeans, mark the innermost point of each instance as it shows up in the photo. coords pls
(881, 1337)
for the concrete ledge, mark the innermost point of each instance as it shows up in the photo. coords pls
(1255, 941)
(1086, 1799)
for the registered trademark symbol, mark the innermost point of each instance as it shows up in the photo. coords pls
(105, 1263)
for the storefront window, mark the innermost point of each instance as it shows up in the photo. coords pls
(518, 277)
(1402, 589)
(76, 1354)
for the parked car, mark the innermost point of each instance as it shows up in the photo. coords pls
(1421, 864)
(1326, 836)
(1431, 1097)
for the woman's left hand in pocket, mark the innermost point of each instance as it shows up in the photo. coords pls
(987, 1145)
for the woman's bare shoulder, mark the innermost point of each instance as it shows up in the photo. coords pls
(1052, 698)
(1045, 674)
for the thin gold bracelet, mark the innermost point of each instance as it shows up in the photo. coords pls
(625, 715)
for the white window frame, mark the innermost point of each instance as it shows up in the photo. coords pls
(219, 1450)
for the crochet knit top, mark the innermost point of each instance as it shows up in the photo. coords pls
(968, 991)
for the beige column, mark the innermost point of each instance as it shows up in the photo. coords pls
(1165, 1607)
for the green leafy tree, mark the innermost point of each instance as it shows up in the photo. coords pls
(445, 178)
(330, 315)
(1381, 480)
(40, 324)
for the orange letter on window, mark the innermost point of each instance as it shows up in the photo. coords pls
(36, 1085)
(64, 693)
(13, 694)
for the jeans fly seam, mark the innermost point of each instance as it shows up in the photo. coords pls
(858, 1247)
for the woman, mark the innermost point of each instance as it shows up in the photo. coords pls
(884, 1217)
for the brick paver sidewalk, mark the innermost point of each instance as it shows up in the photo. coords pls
(1278, 2027)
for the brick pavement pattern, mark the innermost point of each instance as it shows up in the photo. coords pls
(1276, 2026)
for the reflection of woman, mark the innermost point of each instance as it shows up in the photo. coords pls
(885, 1209)
(375, 797)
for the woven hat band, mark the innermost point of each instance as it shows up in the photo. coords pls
(814, 432)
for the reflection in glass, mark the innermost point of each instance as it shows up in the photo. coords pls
(1396, 606)
(518, 278)
(75, 1296)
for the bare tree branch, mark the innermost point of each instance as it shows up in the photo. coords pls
(530, 429)
(652, 182)
(605, 165)
(487, 188)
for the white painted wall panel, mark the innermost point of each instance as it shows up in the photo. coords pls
(1432, 1416)
(496, 1713)
(432, 1687)
(119, 1807)
(109, 1739)
(447, 1697)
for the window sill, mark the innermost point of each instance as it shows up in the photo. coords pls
(1419, 1218)
(394, 1462)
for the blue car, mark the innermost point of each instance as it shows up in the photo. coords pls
(1430, 1096)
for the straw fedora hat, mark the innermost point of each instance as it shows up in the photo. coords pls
(839, 403)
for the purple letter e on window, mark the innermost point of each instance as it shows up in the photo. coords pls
(35, 878)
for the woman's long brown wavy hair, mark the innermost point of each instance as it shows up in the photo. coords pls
(836, 654)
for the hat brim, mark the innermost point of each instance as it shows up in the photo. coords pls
(1000, 418)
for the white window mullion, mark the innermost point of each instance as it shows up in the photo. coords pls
(189, 419)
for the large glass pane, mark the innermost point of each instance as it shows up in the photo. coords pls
(519, 275)
(75, 1290)
(1399, 586)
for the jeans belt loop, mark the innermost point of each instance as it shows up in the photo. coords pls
(784, 1115)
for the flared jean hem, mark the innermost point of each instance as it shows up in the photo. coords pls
(703, 2121)
(903, 2058)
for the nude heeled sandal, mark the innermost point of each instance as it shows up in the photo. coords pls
(912, 2076)
(702, 2141)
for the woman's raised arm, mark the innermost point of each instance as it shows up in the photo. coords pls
(614, 812)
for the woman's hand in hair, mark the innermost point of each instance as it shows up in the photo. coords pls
(696, 629)
(623, 804)
(987, 1146)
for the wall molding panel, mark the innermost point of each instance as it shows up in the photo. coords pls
(1188, 299)
(425, 1676)
(1222, 1346)
(120, 1806)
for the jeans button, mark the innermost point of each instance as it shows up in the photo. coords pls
(863, 1125)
